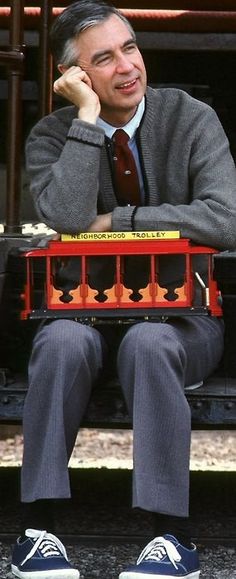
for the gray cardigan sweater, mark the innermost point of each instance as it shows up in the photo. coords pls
(189, 174)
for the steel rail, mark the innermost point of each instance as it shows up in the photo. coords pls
(202, 541)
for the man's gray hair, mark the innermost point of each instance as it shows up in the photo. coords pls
(75, 19)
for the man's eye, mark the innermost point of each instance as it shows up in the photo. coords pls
(131, 47)
(103, 60)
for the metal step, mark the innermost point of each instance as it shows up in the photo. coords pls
(213, 405)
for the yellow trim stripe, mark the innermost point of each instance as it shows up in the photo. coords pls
(121, 236)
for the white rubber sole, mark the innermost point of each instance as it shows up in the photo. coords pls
(136, 575)
(57, 574)
(194, 386)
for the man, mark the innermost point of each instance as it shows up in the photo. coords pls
(187, 182)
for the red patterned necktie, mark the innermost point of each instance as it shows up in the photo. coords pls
(125, 170)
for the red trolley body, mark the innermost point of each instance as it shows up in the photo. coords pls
(84, 300)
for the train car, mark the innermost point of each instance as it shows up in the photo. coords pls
(196, 50)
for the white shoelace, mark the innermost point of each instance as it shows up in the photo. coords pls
(48, 544)
(159, 548)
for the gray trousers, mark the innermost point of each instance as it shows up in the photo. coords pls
(155, 361)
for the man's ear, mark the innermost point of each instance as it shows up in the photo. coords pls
(62, 68)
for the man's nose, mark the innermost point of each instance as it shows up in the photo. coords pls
(123, 64)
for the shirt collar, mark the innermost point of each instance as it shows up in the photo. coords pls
(129, 128)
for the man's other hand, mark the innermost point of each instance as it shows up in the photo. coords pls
(101, 223)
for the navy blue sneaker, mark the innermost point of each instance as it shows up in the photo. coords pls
(164, 557)
(41, 556)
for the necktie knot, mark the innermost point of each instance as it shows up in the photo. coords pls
(120, 137)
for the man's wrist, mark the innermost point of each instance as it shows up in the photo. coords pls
(88, 115)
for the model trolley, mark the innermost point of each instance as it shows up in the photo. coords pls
(45, 296)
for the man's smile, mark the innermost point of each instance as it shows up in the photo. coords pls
(127, 85)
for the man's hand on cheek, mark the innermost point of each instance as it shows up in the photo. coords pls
(75, 85)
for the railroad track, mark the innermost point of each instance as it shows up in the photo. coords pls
(101, 538)
(102, 533)
(105, 556)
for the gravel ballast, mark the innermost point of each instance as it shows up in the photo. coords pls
(210, 449)
(108, 562)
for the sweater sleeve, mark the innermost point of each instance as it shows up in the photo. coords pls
(63, 163)
(205, 209)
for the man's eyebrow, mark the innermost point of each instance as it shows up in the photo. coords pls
(100, 53)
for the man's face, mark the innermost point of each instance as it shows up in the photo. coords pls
(109, 55)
